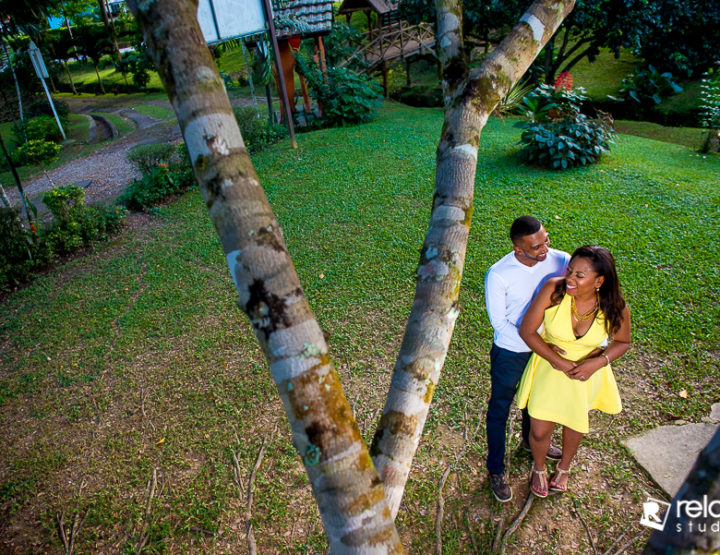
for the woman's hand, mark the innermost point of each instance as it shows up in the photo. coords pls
(586, 368)
(563, 365)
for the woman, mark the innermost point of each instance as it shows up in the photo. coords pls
(578, 313)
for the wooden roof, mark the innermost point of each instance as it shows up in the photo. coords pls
(317, 14)
(379, 6)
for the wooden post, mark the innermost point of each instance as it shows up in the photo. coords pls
(305, 93)
(385, 78)
(282, 90)
(323, 60)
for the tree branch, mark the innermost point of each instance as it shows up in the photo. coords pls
(442, 257)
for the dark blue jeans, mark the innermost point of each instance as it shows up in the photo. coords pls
(506, 369)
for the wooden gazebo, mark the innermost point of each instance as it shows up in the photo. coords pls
(317, 15)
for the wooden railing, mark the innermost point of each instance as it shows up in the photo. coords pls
(398, 40)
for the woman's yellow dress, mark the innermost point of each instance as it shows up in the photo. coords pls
(549, 394)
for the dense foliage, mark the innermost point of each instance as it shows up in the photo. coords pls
(344, 96)
(165, 172)
(37, 152)
(680, 36)
(341, 43)
(256, 130)
(559, 135)
(75, 224)
(645, 89)
(24, 250)
(38, 128)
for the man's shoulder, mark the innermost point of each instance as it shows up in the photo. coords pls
(558, 255)
(505, 262)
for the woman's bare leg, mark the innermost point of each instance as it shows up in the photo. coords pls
(540, 436)
(571, 442)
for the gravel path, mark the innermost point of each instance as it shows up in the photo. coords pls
(107, 168)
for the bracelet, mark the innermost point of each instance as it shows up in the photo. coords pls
(606, 358)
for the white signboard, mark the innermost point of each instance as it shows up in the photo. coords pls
(37, 61)
(227, 19)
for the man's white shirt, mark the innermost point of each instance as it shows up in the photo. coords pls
(510, 287)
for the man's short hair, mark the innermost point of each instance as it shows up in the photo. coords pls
(524, 226)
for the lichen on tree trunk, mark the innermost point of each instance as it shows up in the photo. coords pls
(346, 486)
(470, 99)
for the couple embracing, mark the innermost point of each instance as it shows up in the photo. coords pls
(559, 321)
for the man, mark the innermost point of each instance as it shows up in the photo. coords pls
(510, 285)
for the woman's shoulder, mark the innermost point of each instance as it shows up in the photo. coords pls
(551, 285)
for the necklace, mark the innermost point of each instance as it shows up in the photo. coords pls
(586, 316)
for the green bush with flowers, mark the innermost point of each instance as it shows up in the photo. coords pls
(558, 135)
(166, 171)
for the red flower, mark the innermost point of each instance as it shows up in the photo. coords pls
(563, 82)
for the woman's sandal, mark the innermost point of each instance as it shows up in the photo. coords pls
(542, 475)
(554, 485)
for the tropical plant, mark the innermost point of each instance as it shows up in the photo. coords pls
(166, 171)
(574, 140)
(645, 89)
(548, 103)
(146, 157)
(559, 135)
(38, 151)
(341, 43)
(345, 97)
(75, 224)
(710, 108)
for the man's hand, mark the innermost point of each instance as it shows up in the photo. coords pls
(557, 349)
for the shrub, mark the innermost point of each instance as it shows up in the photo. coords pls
(37, 151)
(256, 131)
(645, 89)
(37, 128)
(575, 140)
(74, 224)
(559, 136)
(146, 157)
(345, 97)
(43, 108)
(546, 103)
(160, 180)
(15, 260)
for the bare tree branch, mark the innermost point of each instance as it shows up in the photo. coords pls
(587, 530)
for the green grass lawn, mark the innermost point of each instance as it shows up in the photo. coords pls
(155, 111)
(83, 74)
(691, 137)
(135, 360)
(603, 76)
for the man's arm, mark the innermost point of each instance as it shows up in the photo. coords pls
(495, 296)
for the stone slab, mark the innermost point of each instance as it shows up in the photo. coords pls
(715, 413)
(669, 452)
